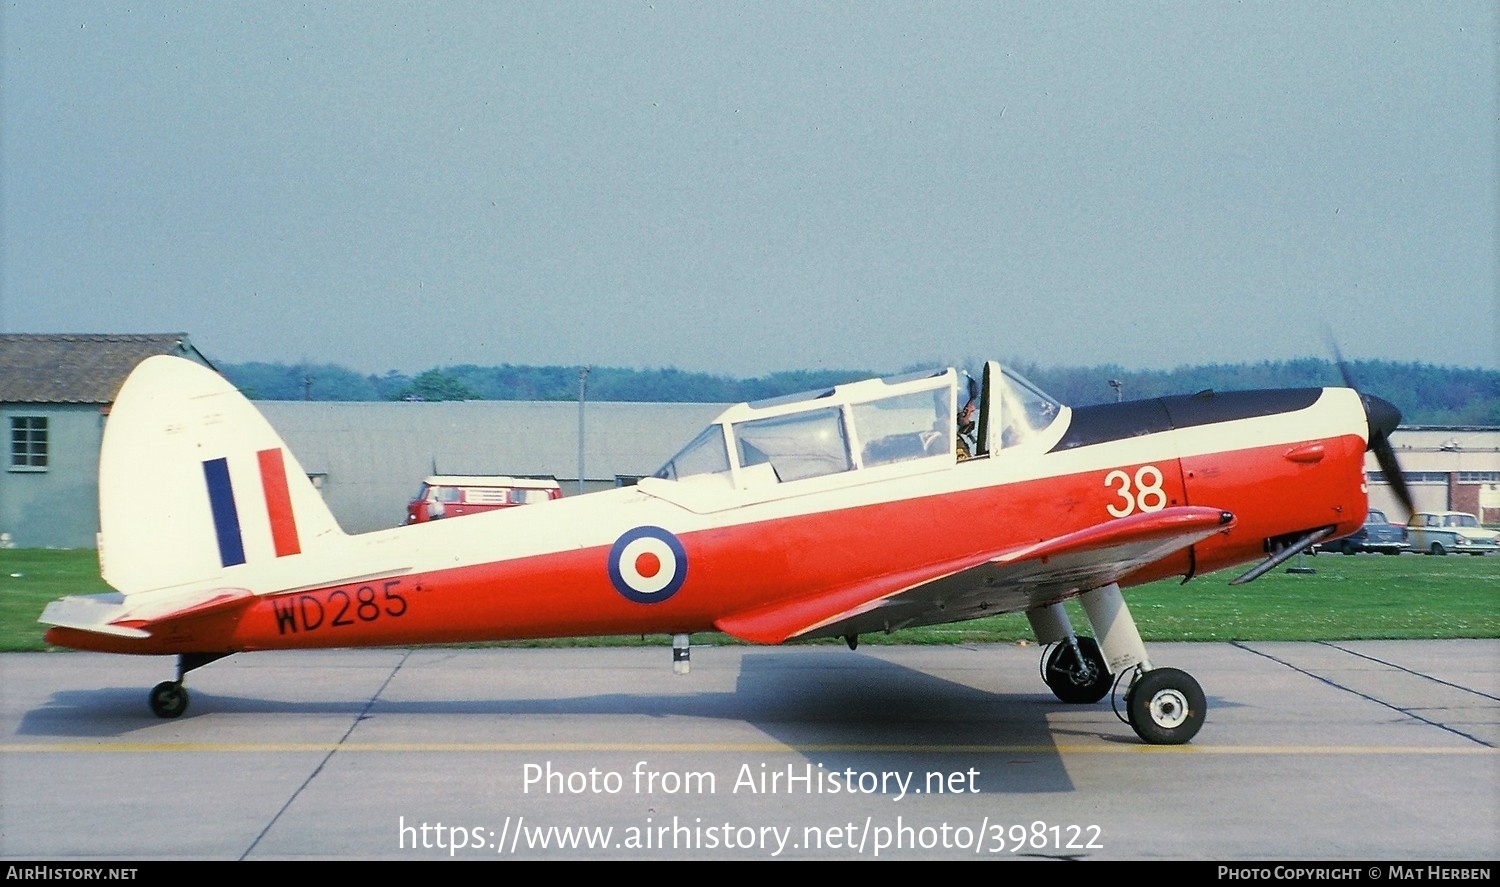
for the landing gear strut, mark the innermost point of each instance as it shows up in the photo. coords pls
(1164, 706)
(169, 699)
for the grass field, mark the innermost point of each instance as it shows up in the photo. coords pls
(1348, 597)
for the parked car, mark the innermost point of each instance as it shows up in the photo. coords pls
(1377, 534)
(1442, 532)
(455, 495)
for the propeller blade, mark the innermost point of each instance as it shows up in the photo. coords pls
(1343, 365)
(1393, 476)
(1383, 417)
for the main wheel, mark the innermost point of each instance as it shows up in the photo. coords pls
(169, 699)
(1074, 682)
(1437, 549)
(1166, 706)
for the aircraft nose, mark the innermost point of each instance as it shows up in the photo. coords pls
(1383, 417)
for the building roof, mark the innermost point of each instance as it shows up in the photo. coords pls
(79, 368)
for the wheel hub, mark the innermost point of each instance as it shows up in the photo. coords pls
(1081, 674)
(1169, 708)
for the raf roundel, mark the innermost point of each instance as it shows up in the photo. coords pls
(647, 565)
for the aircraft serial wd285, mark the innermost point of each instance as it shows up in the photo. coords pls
(867, 507)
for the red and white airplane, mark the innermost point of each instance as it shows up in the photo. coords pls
(867, 507)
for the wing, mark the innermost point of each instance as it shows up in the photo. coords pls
(1018, 578)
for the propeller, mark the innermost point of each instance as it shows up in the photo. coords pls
(1383, 417)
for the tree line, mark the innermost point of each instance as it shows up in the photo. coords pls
(1426, 394)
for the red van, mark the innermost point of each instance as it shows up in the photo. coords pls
(455, 495)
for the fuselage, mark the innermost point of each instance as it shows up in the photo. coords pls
(680, 555)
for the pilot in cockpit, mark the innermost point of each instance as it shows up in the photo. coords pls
(967, 417)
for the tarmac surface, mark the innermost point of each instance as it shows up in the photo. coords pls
(1347, 751)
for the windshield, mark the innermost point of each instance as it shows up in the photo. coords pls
(1460, 520)
(1024, 408)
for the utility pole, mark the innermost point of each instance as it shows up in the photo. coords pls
(583, 376)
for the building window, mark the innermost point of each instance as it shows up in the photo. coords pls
(28, 443)
(1411, 477)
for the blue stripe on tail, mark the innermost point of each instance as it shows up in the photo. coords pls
(226, 516)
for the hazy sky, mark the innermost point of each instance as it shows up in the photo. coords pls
(749, 187)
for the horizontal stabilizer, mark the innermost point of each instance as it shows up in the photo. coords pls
(135, 616)
(93, 612)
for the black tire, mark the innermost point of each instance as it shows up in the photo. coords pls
(1437, 549)
(1166, 707)
(169, 699)
(1073, 682)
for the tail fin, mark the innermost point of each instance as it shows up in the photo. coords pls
(195, 486)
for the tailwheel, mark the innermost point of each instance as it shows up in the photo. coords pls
(1166, 706)
(1075, 671)
(169, 699)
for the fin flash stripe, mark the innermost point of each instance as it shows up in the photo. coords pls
(226, 515)
(278, 502)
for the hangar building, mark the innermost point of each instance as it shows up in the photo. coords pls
(369, 458)
(55, 394)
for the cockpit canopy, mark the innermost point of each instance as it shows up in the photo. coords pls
(862, 425)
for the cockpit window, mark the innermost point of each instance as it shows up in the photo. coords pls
(876, 422)
(907, 426)
(797, 446)
(705, 455)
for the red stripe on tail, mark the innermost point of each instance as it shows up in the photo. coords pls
(279, 503)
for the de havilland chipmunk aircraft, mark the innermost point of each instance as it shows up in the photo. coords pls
(867, 507)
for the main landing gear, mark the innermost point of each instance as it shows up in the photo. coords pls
(1165, 706)
(1075, 671)
(169, 699)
